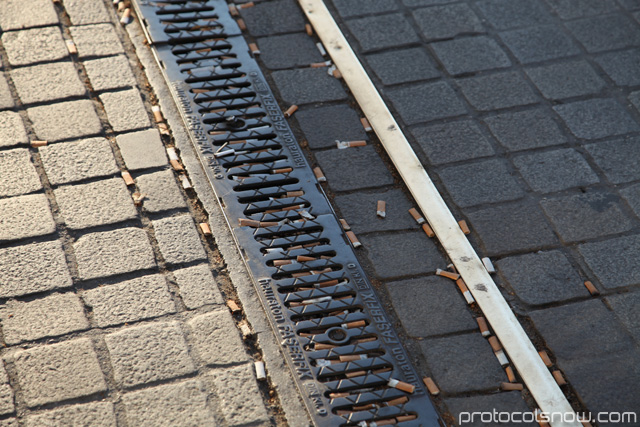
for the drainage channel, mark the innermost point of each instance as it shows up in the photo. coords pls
(344, 353)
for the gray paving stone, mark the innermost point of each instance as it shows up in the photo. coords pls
(402, 254)
(430, 306)
(586, 216)
(597, 118)
(145, 354)
(564, 80)
(496, 91)
(78, 160)
(452, 142)
(22, 273)
(625, 306)
(113, 252)
(635, 99)
(6, 98)
(630, 4)
(303, 86)
(197, 286)
(94, 414)
(572, 9)
(266, 19)
(556, 170)
(359, 209)
(539, 43)
(129, 301)
(512, 227)
(426, 101)
(208, 330)
(35, 45)
(125, 110)
(470, 55)
(25, 216)
(447, 21)
(353, 168)
(605, 32)
(581, 330)
(17, 173)
(82, 12)
(288, 51)
(506, 14)
(347, 8)
(52, 122)
(53, 315)
(403, 65)
(383, 31)
(96, 40)
(632, 196)
(462, 363)
(486, 181)
(60, 78)
(323, 125)
(12, 131)
(523, 130)
(6, 399)
(57, 372)
(463, 408)
(240, 399)
(618, 158)
(622, 67)
(169, 405)
(161, 191)
(142, 149)
(13, 16)
(542, 277)
(110, 73)
(178, 240)
(96, 203)
(610, 261)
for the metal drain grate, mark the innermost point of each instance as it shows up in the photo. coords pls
(349, 364)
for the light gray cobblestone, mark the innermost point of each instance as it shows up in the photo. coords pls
(17, 174)
(125, 110)
(96, 40)
(51, 316)
(209, 330)
(12, 131)
(82, 12)
(6, 99)
(9, 422)
(180, 404)
(57, 372)
(25, 216)
(96, 203)
(94, 414)
(113, 252)
(60, 79)
(145, 354)
(161, 191)
(142, 149)
(14, 15)
(130, 301)
(35, 45)
(6, 399)
(178, 239)
(65, 120)
(197, 286)
(110, 73)
(78, 160)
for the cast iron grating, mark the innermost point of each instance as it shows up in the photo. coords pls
(343, 351)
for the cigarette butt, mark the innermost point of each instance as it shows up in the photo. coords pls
(38, 143)
(303, 258)
(585, 423)
(403, 418)
(484, 328)
(320, 64)
(545, 358)
(295, 193)
(173, 155)
(247, 5)
(338, 395)
(465, 291)
(510, 374)
(452, 268)
(416, 215)
(495, 344)
(138, 198)
(365, 124)
(224, 153)
(355, 374)
(428, 230)
(164, 130)
(321, 49)
(447, 274)
(206, 230)
(319, 175)
(356, 324)
(431, 386)
(281, 262)
(185, 182)
(71, 47)
(381, 209)
(387, 422)
(397, 401)
(309, 29)
(254, 49)
(364, 407)
(233, 10)
(128, 180)
(488, 265)
(176, 165)
(502, 358)
(511, 386)
(464, 227)
(282, 170)
(345, 225)
(245, 329)
(235, 308)
(126, 17)
(557, 375)
(591, 288)
(261, 374)
(323, 346)
(352, 357)
(290, 111)
(401, 385)
(121, 6)
(336, 73)
(157, 114)
(359, 143)
(241, 24)
(245, 222)
(353, 239)
(267, 224)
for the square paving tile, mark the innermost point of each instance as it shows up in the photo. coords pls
(452, 142)
(572, 9)
(622, 67)
(496, 91)
(288, 51)
(566, 79)
(505, 14)
(267, 18)
(597, 118)
(403, 65)
(383, 31)
(304, 86)
(353, 168)
(426, 102)
(323, 125)
(618, 159)
(539, 43)
(606, 32)
(447, 21)
(610, 261)
(522, 130)
(470, 55)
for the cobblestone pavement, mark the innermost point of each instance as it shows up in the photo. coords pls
(526, 113)
(112, 297)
